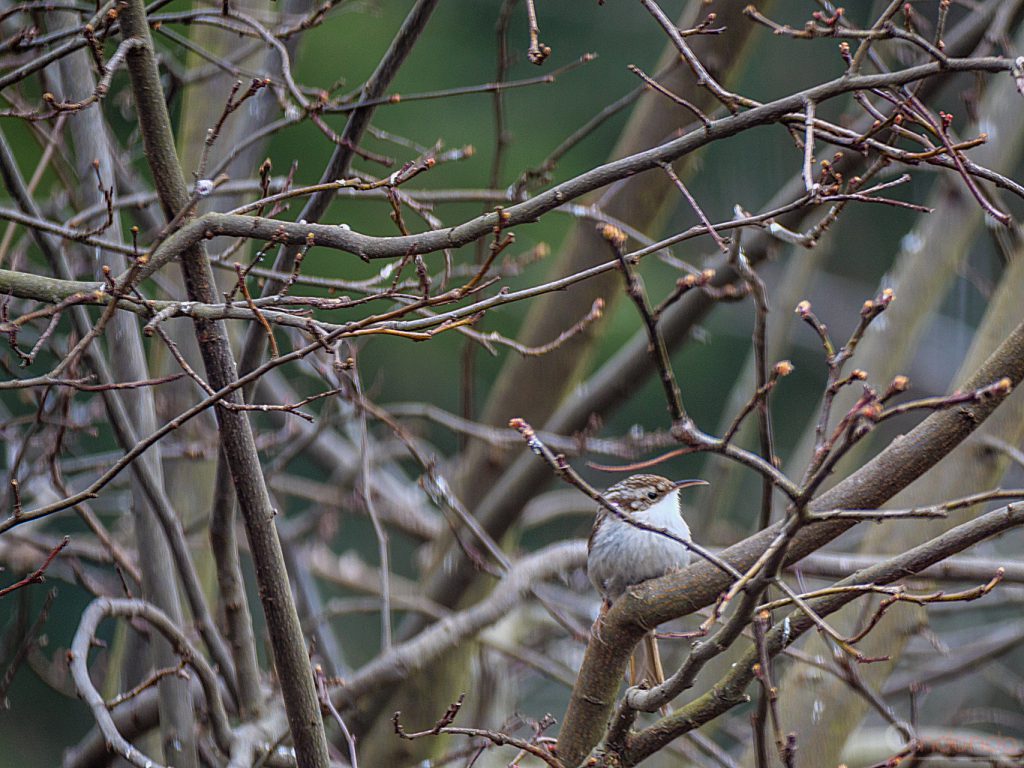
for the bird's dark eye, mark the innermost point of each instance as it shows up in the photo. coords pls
(652, 495)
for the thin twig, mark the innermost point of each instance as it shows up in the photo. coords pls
(36, 577)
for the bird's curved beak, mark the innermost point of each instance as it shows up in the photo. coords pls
(680, 484)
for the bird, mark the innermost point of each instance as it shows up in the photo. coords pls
(621, 555)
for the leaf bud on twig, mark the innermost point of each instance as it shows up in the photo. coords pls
(613, 235)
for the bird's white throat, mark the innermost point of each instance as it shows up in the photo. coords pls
(664, 514)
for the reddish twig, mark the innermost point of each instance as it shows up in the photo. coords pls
(36, 577)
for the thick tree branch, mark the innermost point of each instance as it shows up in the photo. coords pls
(290, 654)
(655, 602)
(730, 690)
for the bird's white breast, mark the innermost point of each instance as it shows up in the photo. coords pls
(622, 555)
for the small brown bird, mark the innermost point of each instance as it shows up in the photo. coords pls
(620, 555)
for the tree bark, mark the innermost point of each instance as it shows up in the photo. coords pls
(290, 654)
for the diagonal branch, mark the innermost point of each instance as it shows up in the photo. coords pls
(657, 601)
(290, 654)
(728, 692)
